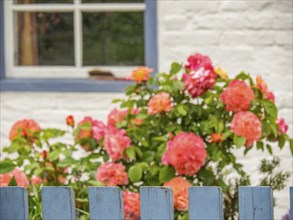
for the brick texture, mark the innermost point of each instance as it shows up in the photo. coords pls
(255, 36)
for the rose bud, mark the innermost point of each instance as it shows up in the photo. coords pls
(70, 120)
(44, 154)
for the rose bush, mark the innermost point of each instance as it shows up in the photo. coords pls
(174, 129)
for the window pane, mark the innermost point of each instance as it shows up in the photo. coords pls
(113, 38)
(112, 1)
(44, 39)
(41, 1)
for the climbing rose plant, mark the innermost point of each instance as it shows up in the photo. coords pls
(175, 129)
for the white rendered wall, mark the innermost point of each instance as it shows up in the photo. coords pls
(255, 36)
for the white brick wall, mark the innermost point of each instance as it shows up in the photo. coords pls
(255, 36)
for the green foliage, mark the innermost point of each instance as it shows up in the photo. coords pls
(6, 166)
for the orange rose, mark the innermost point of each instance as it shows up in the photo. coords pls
(141, 74)
(180, 191)
(25, 128)
(215, 138)
(160, 102)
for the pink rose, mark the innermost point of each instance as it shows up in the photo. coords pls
(186, 153)
(116, 116)
(116, 141)
(247, 125)
(237, 96)
(201, 75)
(131, 202)
(282, 125)
(36, 180)
(197, 61)
(97, 131)
(112, 174)
(160, 102)
(19, 176)
(180, 191)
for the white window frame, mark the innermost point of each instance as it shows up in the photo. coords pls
(77, 8)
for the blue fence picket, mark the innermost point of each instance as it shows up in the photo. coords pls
(58, 203)
(13, 203)
(105, 203)
(255, 203)
(205, 203)
(156, 203)
(291, 202)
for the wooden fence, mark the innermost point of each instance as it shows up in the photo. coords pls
(156, 203)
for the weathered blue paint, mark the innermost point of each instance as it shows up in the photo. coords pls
(58, 203)
(105, 203)
(156, 203)
(62, 85)
(255, 203)
(205, 203)
(82, 85)
(151, 35)
(291, 202)
(2, 66)
(13, 203)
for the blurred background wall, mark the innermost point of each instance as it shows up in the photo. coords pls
(255, 36)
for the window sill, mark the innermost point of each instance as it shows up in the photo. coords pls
(62, 85)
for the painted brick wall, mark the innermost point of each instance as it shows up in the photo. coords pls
(255, 36)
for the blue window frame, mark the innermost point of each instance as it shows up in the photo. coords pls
(81, 85)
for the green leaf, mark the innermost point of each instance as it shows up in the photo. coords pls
(281, 141)
(274, 129)
(116, 100)
(259, 145)
(52, 133)
(291, 146)
(154, 170)
(95, 183)
(269, 148)
(130, 89)
(245, 76)
(142, 116)
(131, 153)
(12, 182)
(148, 156)
(135, 173)
(66, 162)
(238, 141)
(30, 166)
(179, 85)
(85, 126)
(220, 126)
(160, 138)
(166, 173)
(38, 171)
(270, 108)
(53, 155)
(143, 165)
(226, 134)
(181, 110)
(6, 166)
(207, 176)
(175, 68)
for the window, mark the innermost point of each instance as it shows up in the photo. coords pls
(67, 39)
